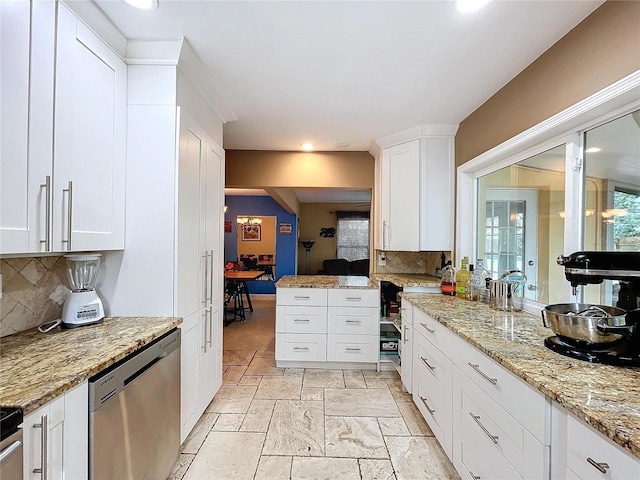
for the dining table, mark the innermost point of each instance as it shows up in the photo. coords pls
(241, 277)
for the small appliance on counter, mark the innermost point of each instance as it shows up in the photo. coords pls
(83, 306)
(598, 333)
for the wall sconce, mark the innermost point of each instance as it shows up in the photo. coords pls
(225, 209)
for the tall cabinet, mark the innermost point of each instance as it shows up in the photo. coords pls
(414, 175)
(63, 123)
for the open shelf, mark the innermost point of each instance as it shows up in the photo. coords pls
(391, 358)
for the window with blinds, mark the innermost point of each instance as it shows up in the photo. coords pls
(352, 240)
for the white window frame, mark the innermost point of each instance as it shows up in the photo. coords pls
(566, 127)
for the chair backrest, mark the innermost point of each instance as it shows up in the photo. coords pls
(250, 262)
(336, 266)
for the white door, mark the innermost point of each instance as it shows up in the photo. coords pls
(400, 202)
(89, 140)
(511, 233)
(27, 31)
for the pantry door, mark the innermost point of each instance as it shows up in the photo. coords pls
(511, 233)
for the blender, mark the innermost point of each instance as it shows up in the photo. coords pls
(82, 306)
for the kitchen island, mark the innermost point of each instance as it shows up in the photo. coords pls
(39, 367)
(606, 398)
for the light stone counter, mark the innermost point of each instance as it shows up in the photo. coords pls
(35, 367)
(605, 397)
(326, 281)
(408, 280)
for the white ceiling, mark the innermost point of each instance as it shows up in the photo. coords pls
(337, 72)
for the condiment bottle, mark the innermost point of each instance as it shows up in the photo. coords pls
(462, 277)
(448, 281)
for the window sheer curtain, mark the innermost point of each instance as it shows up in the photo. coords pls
(352, 240)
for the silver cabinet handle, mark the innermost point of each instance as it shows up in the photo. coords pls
(301, 297)
(301, 348)
(601, 467)
(384, 235)
(211, 271)
(427, 364)
(427, 328)
(492, 381)
(476, 418)
(301, 320)
(353, 299)
(204, 330)
(350, 349)
(429, 409)
(210, 326)
(205, 278)
(9, 450)
(47, 212)
(69, 191)
(406, 329)
(44, 453)
(475, 477)
(353, 321)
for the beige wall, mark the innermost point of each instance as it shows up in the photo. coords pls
(313, 217)
(601, 50)
(264, 169)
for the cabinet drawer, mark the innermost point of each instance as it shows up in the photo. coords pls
(496, 430)
(302, 296)
(293, 319)
(529, 407)
(433, 331)
(301, 347)
(351, 297)
(433, 399)
(584, 444)
(352, 348)
(353, 320)
(436, 364)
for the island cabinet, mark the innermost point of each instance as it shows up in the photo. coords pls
(63, 145)
(414, 178)
(327, 327)
(56, 437)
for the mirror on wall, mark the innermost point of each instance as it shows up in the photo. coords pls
(256, 243)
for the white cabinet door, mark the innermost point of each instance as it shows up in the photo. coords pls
(89, 140)
(189, 375)
(27, 39)
(213, 202)
(400, 197)
(406, 346)
(210, 364)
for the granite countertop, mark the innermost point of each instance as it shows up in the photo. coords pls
(326, 281)
(35, 367)
(406, 280)
(605, 397)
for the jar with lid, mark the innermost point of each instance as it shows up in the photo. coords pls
(448, 281)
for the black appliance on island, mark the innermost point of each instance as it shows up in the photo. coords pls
(594, 333)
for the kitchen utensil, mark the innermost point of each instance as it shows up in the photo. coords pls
(83, 306)
(505, 294)
(583, 322)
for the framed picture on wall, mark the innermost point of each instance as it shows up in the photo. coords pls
(285, 229)
(251, 233)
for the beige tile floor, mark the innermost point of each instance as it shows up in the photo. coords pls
(269, 423)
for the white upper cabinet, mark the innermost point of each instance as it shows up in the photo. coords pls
(415, 186)
(62, 182)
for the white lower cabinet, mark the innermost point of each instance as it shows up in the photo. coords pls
(590, 455)
(56, 437)
(327, 325)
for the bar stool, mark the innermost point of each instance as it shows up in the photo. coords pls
(233, 304)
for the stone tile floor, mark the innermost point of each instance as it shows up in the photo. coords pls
(269, 423)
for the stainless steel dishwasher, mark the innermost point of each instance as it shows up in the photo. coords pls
(134, 414)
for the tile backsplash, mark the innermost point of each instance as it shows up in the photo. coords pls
(33, 292)
(410, 262)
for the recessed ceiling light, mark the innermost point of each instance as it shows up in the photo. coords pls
(593, 150)
(307, 147)
(470, 6)
(143, 4)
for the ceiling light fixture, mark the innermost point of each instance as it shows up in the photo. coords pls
(307, 147)
(143, 4)
(593, 150)
(470, 6)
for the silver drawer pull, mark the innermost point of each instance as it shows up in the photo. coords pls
(349, 349)
(300, 319)
(44, 446)
(424, 400)
(300, 297)
(405, 336)
(427, 328)
(475, 477)
(602, 467)
(301, 348)
(492, 381)
(353, 299)
(353, 321)
(9, 450)
(476, 418)
(424, 360)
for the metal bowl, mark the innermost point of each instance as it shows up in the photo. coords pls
(579, 321)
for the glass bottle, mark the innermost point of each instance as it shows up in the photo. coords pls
(448, 281)
(479, 283)
(471, 293)
(462, 277)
